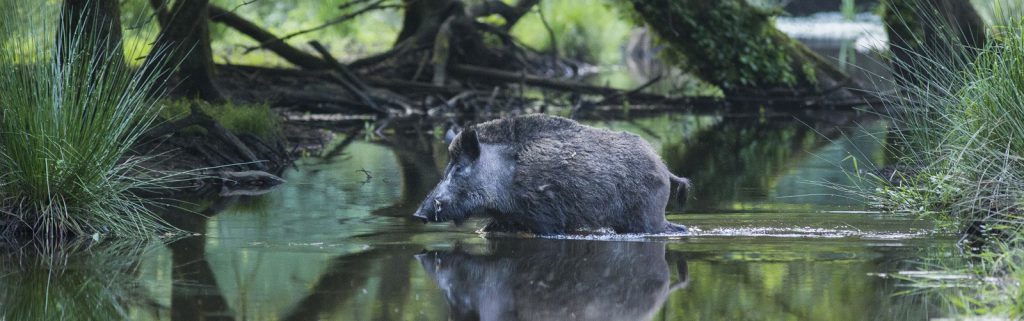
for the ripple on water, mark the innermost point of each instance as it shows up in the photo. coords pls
(753, 231)
(808, 232)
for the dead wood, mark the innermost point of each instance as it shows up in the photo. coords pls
(490, 74)
(245, 155)
(266, 39)
(376, 5)
(346, 79)
(376, 99)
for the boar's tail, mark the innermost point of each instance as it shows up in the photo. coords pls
(683, 187)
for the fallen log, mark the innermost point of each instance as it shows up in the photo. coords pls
(563, 85)
(823, 100)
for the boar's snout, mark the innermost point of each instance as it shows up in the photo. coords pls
(431, 209)
(421, 215)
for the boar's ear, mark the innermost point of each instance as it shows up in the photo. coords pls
(470, 144)
(453, 131)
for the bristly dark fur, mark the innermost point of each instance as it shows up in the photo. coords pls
(569, 177)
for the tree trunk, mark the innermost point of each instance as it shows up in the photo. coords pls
(423, 18)
(93, 28)
(735, 46)
(923, 33)
(184, 41)
(442, 33)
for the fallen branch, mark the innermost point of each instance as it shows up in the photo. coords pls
(268, 40)
(565, 85)
(373, 6)
(198, 118)
(783, 102)
(381, 57)
(407, 85)
(377, 99)
(347, 79)
(618, 98)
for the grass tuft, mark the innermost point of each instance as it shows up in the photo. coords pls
(70, 110)
(959, 138)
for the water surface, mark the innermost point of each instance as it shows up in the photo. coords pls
(336, 243)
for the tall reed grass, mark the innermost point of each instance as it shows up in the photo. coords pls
(70, 111)
(959, 134)
(960, 122)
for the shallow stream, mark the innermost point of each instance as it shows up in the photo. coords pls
(336, 242)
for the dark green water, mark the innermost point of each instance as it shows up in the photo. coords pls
(331, 244)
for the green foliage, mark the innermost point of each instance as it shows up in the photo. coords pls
(68, 115)
(588, 30)
(964, 124)
(258, 120)
(732, 44)
(960, 125)
(371, 32)
(926, 193)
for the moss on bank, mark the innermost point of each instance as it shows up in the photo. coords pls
(257, 119)
(732, 44)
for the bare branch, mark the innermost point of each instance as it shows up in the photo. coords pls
(291, 54)
(377, 5)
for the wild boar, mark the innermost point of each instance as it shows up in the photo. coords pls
(551, 175)
(544, 279)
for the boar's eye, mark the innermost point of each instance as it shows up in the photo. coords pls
(460, 167)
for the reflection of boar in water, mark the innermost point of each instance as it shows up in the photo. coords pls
(551, 175)
(543, 279)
